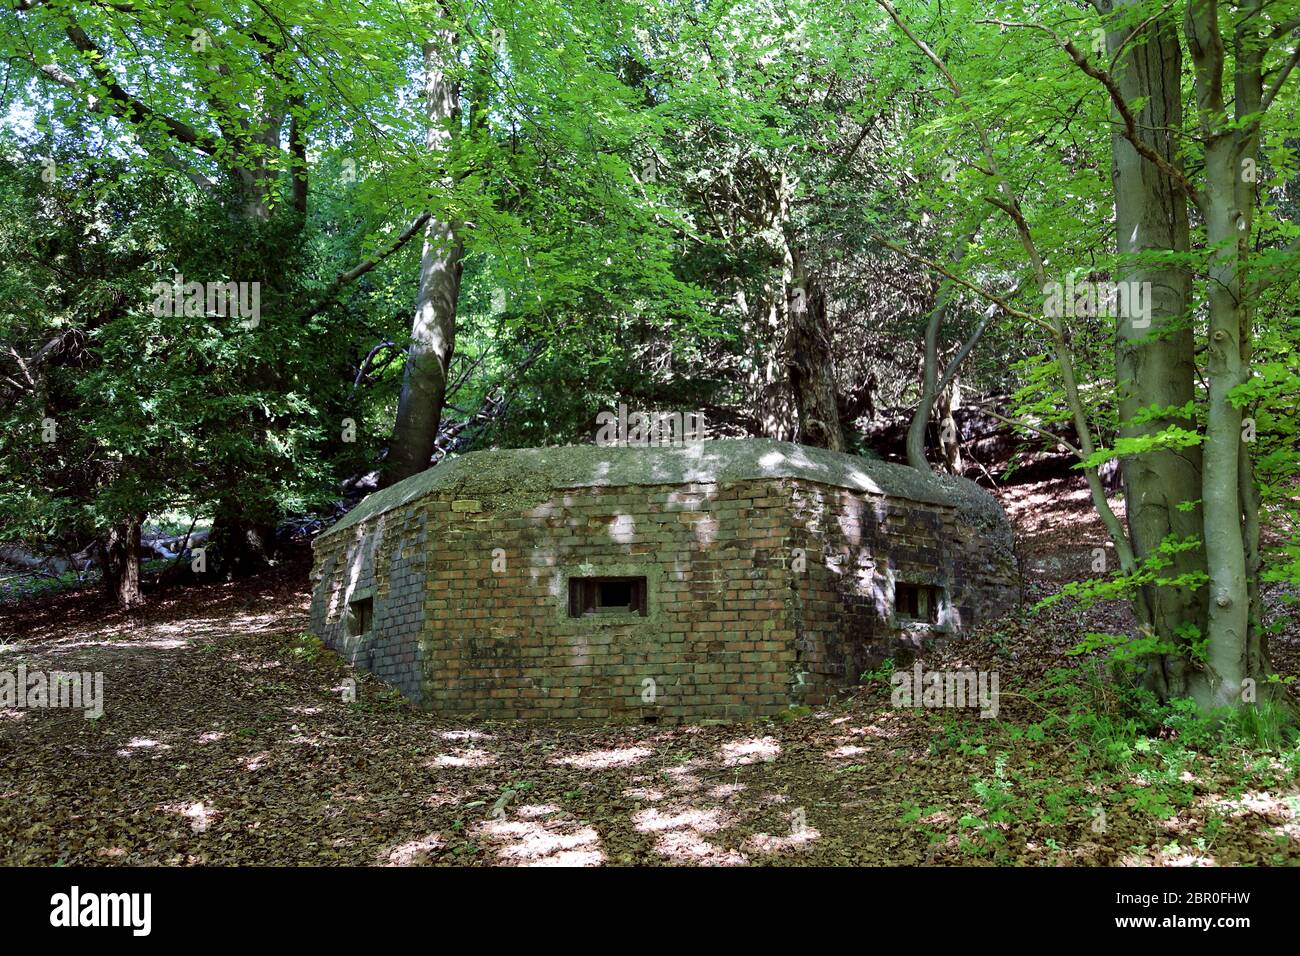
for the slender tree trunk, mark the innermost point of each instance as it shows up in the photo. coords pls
(1221, 490)
(433, 332)
(949, 440)
(1227, 232)
(930, 385)
(929, 381)
(1248, 99)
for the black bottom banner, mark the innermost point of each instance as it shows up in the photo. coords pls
(336, 906)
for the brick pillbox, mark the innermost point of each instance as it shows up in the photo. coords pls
(714, 580)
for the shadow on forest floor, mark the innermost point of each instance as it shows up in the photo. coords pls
(226, 739)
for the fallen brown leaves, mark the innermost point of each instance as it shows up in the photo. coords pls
(226, 741)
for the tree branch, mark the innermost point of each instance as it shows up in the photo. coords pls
(997, 300)
(343, 278)
(1117, 99)
(119, 101)
(1275, 87)
(1033, 428)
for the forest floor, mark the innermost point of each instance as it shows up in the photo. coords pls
(226, 739)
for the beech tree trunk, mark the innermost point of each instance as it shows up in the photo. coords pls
(1227, 225)
(1248, 97)
(433, 331)
(929, 382)
(1155, 364)
(932, 383)
(949, 439)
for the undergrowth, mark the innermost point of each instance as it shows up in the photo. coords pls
(1104, 753)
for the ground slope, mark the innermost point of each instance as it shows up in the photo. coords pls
(227, 738)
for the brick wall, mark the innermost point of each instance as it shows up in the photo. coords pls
(713, 642)
(857, 548)
(471, 601)
(386, 560)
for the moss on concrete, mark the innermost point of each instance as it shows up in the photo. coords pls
(521, 478)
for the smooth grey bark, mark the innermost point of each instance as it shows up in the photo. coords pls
(1227, 210)
(932, 390)
(929, 380)
(1155, 365)
(1249, 50)
(433, 331)
(949, 400)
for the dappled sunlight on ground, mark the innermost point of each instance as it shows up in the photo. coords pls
(644, 794)
(415, 852)
(115, 643)
(222, 743)
(726, 791)
(543, 837)
(467, 757)
(199, 814)
(680, 835)
(141, 744)
(256, 761)
(687, 846)
(847, 751)
(753, 750)
(702, 821)
(462, 735)
(798, 838)
(603, 759)
(887, 727)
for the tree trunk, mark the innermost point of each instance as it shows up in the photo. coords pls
(930, 385)
(1227, 227)
(242, 541)
(121, 562)
(1155, 365)
(949, 439)
(929, 382)
(811, 366)
(1248, 99)
(433, 332)
(773, 401)
(1224, 541)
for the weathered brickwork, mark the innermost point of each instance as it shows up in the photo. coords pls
(857, 549)
(761, 593)
(387, 562)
